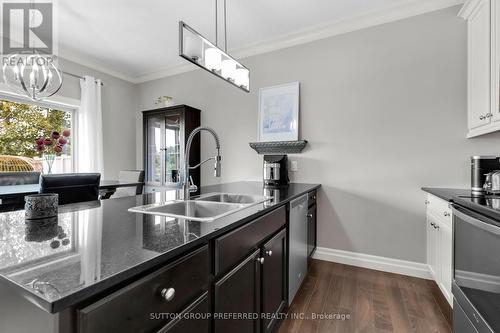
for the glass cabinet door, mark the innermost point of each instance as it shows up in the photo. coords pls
(164, 151)
(154, 150)
(172, 149)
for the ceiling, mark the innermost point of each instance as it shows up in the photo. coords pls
(136, 40)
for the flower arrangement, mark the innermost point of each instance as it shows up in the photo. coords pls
(52, 146)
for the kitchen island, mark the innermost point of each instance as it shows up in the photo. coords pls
(101, 263)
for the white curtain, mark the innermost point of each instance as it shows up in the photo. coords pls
(89, 142)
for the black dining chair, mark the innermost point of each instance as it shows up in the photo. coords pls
(72, 187)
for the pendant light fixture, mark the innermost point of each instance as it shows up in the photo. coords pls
(200, 51)
(32, 74)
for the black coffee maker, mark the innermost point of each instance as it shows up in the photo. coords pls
(480, 166)
(275, 171)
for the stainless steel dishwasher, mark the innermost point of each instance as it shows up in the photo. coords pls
(298, 245)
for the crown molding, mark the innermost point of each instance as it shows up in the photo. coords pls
(83, 61)
(468, 8)
(338, 27)
(165, 72)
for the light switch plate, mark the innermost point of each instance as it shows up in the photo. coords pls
(294, 166)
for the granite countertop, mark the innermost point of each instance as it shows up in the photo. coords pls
(447, 193)
(97, 245)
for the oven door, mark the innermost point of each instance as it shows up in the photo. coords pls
(476, 285)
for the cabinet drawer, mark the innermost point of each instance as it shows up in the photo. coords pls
(439, 208)
(129, 309)
(234, 246)
(193, 319)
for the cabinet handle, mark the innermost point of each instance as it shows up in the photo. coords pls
(168, 294)
(446, 214)
(260, 260)
(489, 115)
(309, 215)
(427, 202)
(314, 197)
(481, 117)
(436, 227)
(269, 253)
(433, 224)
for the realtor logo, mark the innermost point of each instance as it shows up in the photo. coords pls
(27, 28)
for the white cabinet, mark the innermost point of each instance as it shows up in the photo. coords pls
(483, 24)
(440, 243)
(445, 259)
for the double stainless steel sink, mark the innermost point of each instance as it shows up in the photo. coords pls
(205, 208)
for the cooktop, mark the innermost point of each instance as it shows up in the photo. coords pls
(488, 205)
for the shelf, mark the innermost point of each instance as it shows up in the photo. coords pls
(279, 147)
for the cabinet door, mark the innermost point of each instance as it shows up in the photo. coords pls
(495, 60)
(311, 230)
(274, 296)
(445, 260)
(154, 149)
(432, 246)
(173, 150)
(193, 319)
(479, 63)
(238, 293)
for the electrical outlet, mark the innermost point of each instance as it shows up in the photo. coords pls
(294, 166)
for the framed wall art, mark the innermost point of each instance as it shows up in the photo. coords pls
(279, 113)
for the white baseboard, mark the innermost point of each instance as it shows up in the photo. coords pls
(390, 265)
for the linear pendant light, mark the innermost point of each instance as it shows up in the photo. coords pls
(200, 51)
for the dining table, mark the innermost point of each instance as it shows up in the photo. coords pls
(106, 187)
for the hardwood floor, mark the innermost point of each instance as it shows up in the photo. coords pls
(363, 300)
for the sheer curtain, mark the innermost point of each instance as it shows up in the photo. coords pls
(89, 142)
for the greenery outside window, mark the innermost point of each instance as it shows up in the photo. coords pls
(20, 125)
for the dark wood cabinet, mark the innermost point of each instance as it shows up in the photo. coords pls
(238, 294)
(167, 290)
(232, 247)
(165, 133)
(312, 224)
(257, 285)
(195, 318)
(311, 230)
(274, 277)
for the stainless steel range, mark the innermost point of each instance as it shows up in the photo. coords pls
(476, 283)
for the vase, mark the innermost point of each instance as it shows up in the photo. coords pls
(49, 159)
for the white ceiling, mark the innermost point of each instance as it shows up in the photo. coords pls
(136, 39)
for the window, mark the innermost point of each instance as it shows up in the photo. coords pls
(21, 123)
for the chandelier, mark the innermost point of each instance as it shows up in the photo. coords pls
(33, 75)
(200, 51)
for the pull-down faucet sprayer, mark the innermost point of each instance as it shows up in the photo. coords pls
(187, 183)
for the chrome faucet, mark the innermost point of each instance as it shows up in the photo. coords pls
(187, 184)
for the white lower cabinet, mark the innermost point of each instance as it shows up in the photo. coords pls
(440, 244)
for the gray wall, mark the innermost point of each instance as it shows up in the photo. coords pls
(384, 110)
(118, 111)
